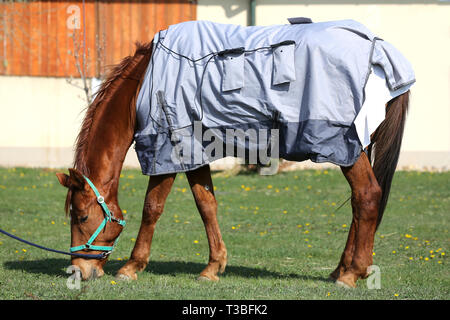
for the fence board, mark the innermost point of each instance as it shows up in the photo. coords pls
(36, 38)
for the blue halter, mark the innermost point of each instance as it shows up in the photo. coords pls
(109, 217)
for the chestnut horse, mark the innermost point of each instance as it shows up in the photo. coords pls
(106, 135)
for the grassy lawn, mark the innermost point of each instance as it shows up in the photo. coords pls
(282, 234)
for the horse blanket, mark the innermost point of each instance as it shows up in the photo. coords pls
(297, 91)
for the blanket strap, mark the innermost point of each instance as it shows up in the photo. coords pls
(173, 136)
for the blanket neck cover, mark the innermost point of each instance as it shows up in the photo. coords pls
(302, 83)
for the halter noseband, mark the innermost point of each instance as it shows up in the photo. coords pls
(109, 217)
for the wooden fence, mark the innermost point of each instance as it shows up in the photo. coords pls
(46, 38)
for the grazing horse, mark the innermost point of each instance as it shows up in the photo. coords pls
(107, 134)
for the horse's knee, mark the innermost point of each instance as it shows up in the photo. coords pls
(152, 212)
(207, 206)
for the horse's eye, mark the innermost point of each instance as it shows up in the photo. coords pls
(83, 219)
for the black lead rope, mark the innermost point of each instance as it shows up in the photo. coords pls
(80, 255)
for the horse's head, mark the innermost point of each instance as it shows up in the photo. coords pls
(95, 221)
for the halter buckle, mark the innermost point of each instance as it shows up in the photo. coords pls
(100, 199)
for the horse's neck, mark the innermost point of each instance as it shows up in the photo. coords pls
(112, 128)
(111, 136)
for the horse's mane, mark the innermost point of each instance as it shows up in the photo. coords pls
(103, 95)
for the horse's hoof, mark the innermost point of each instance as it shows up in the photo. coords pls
(125, 277)
(205, 278)
(343, 285)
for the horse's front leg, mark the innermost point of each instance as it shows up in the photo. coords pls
(157, 192)
(366, 195)
(203, 191)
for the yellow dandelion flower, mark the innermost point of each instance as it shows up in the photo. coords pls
(411, 258)
(247, 189)
(269, 186)
(426, 259)
(53, 222)
(113, 282)
(344, 226)
(394, 251)
(408, 236)
(284, 211)
(373, 253)
(195, 241)
(124, 211)
(442, 253)
(24, 250)
(233, 227)
(396, 295)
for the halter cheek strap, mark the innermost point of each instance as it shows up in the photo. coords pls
(109, 217)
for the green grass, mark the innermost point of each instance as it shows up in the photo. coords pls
(282, 235)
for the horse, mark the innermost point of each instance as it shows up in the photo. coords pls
(106, 135)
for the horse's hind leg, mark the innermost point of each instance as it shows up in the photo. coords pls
(203, 191)
(366, 195)
(157, 191)
(346, 257)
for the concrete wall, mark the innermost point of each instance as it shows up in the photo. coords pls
(40, 117)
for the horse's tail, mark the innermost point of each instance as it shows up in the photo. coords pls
(386, 143)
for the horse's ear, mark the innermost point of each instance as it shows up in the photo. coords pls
(76, 180)
(63, 179)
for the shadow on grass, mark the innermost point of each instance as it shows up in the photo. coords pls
(52, 267)
(180, 267)
(57, 267)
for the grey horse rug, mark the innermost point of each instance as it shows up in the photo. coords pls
(297, 91)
